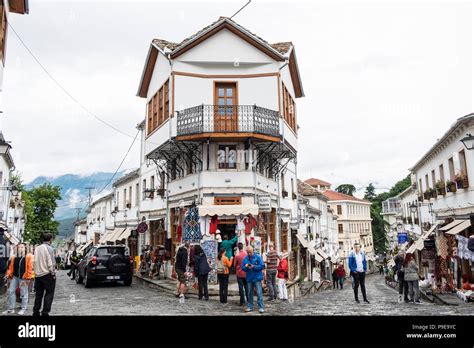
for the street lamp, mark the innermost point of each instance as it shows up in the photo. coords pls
(468, 141)
(4, 147)
(14, 190)
(114, 213)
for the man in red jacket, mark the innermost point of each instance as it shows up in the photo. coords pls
(241, 275)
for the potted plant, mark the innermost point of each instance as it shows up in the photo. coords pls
(420, 198)
(461, 180)
(451, 186)
(427, 194)
(440, 187)
(284, 193)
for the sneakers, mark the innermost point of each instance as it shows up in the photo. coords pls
(357, 301)
(366, 301)
(9, 311)
(418, 302)
(248, 309)
(22, 312)
(261, 310)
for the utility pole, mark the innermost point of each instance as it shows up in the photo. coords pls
(89, 188)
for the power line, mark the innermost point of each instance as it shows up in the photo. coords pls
(64, 89)
(112, 177)
(241, 9)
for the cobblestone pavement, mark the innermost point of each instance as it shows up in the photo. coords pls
(116, 299)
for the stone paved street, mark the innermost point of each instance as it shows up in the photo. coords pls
(73, 299)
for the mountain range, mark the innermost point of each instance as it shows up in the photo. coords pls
(75, 194)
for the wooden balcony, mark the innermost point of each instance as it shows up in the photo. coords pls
(228, 122)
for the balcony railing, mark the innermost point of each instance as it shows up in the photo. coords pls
(228, 119)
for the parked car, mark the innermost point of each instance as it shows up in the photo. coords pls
(105, 263)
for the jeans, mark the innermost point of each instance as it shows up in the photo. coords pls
(16, 282)
(359, 279)
(414, 290)
(282, 291)
(258, 286)
(202, 284)
(341, 282)
(335, 283)
(402, 285)
(73, 271)
(46, 283)
(223, 286)
(243, 292)
(271, 283)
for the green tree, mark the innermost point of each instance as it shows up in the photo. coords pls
(40, 205)
(378, 223)
(370, 192)
(347, 189)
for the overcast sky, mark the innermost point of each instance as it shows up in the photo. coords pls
(383, 80)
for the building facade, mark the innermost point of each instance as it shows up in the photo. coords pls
(220, 135)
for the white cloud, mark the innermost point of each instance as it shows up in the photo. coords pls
(383, 80)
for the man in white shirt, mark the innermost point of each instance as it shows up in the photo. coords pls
(45, 276)
(358, 267)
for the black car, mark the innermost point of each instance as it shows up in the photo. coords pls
(105, 263)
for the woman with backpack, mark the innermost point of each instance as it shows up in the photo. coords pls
(223, 264)
(282, 276)
(201, 269)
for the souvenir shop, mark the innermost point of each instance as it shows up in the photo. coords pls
(446, 257)
(208, 224)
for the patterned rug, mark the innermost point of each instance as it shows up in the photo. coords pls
(210, 249)
(191, 226)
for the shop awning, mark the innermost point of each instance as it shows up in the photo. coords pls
(322, 253)
(14, 240)
(451, 225)
(111, 236)
(312, 251)
(459, 228)
(230, 210)
(125, 234)
(302, 240)
(419, 244)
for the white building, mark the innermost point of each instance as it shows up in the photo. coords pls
(354, 224)
(220, 132)
(317, 232)
(444, 179)
(99, 219)
(400, 216)
(444, 176)
(15, 226)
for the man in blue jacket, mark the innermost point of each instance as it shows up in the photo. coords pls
(358, 267)
(253, 267)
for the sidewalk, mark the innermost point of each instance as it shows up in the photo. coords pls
(169, 285)
(443, 299)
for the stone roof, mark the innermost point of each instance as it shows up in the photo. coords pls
(337, 196)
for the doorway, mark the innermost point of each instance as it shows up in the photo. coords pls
(225, 107)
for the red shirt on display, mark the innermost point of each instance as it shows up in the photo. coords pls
(213, 224)
(250, 222)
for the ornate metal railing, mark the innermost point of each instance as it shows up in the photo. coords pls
(234, 119)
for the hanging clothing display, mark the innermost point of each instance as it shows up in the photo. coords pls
(179, 233)
(250, 222)
(442, 246)
(192, 226)
(205, 226)
(463, 251)
(210, 249)
(213, 224)
(261, 224)
(240, 223)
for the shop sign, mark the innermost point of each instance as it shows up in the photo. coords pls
(402, 237)
(142, 227)
(264, 203)
(429, 243)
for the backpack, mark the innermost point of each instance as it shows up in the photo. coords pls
(220, 266)
(470, 243)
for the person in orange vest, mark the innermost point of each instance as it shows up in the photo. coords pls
(19, 273)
